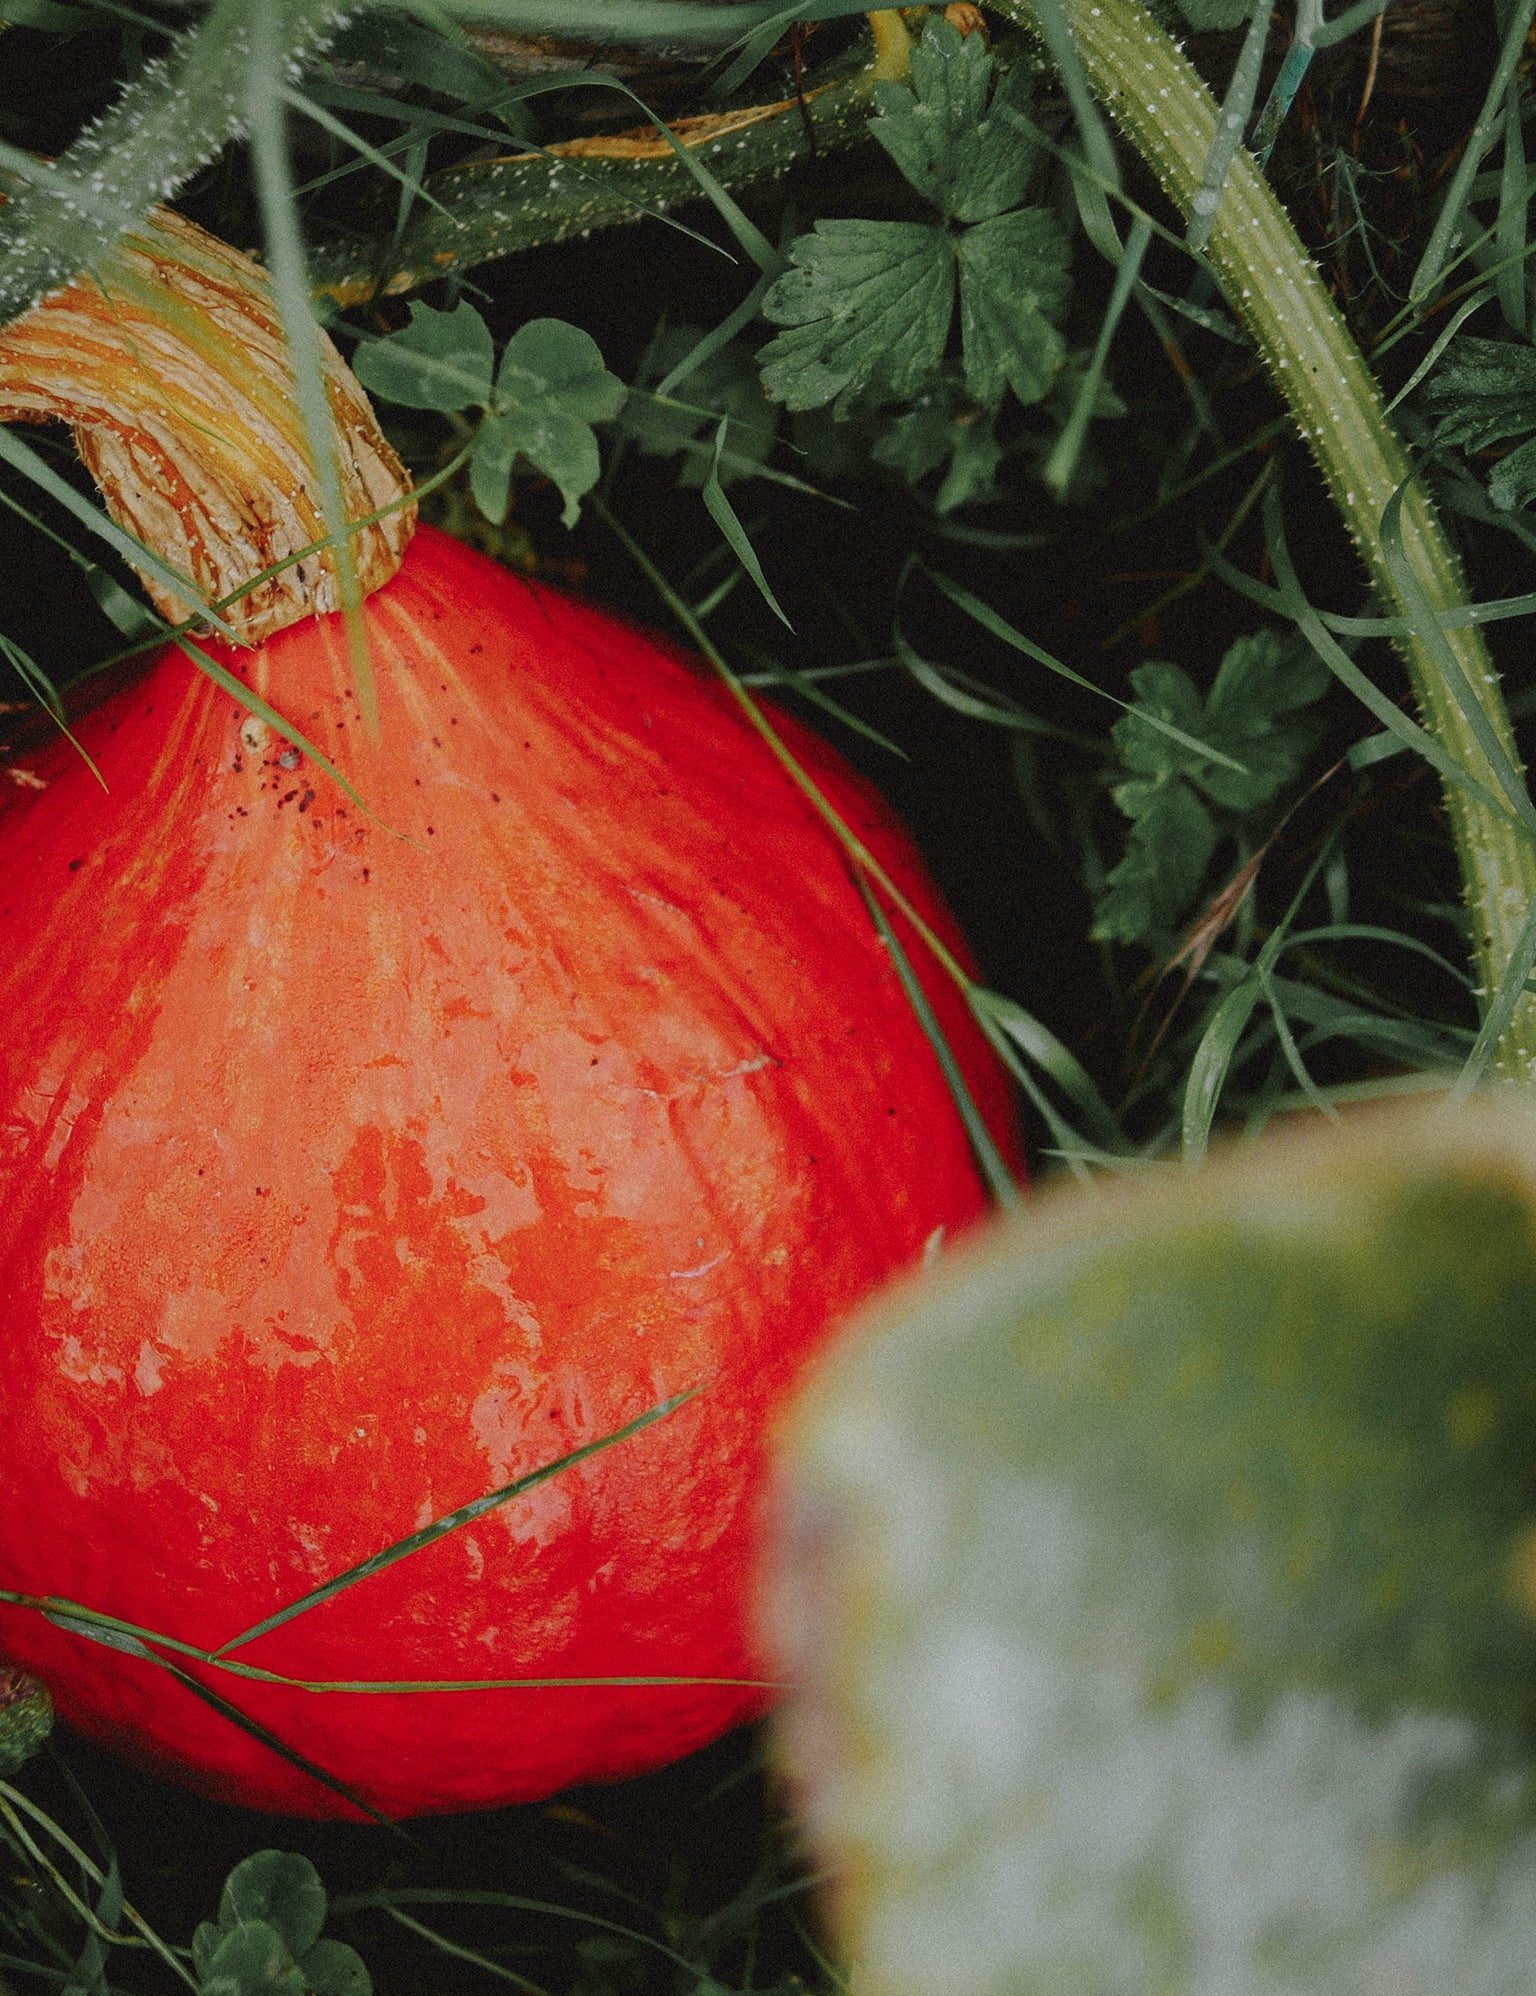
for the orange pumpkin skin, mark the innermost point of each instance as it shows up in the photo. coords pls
(353, 1167)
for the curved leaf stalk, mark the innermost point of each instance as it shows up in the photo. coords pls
(1164, 108)
(178, 114)
(495, 208)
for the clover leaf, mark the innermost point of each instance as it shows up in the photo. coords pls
(549, 390)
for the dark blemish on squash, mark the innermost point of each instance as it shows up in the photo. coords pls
(287, 798)
(75, 865)
(477, 647)
(306, 800)
(365, 873)
(495, 796)
(437, 741)
(431, 831)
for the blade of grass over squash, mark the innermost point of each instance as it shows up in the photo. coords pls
(252, 701)
(134, 1640)
(723, 513)
(851, 844)
(288, 265)
(465, 1515)
(999, 1178)
(257, 1731)
(1098, 147)
(989, 619)
(748, 50)
(1236, 109)
(42, 689)
(42, 474)
(412, 188)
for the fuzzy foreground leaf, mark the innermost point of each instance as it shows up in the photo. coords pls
(1161, 1586)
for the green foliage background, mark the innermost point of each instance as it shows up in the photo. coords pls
(923, 412)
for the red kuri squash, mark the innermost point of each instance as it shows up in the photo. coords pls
(356, 1165)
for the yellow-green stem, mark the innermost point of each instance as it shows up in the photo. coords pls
(1162, 106)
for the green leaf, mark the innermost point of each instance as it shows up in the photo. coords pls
(1168, 849)
(551, 388)
(1512, 482)
(1262, 711)
(1484, 393)
(281, 1888)
(1260, 719)
(441, 360)
(867, 309)
(1160, 1586)
(1013, 290)
(967, 164)
(943, 428)
(252, 1960)
(331, 1968)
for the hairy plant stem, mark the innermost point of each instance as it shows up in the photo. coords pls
(1162, 106)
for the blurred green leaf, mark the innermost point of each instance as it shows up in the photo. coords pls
(1160, 1581)
(1482, 395)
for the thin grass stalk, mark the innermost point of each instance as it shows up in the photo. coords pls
(1165, 110)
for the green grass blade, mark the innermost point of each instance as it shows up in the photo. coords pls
(723, 513)
(1449, 220)
(989, 619)
(24, 459)
(465, 1515)
(999, 1178)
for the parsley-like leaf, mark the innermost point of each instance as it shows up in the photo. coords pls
(1261, 712)
(1485, 394)
(551, 388)
(441, 360)
(867, 307)
(1013, 289)
(943, 427)
(968, 164)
